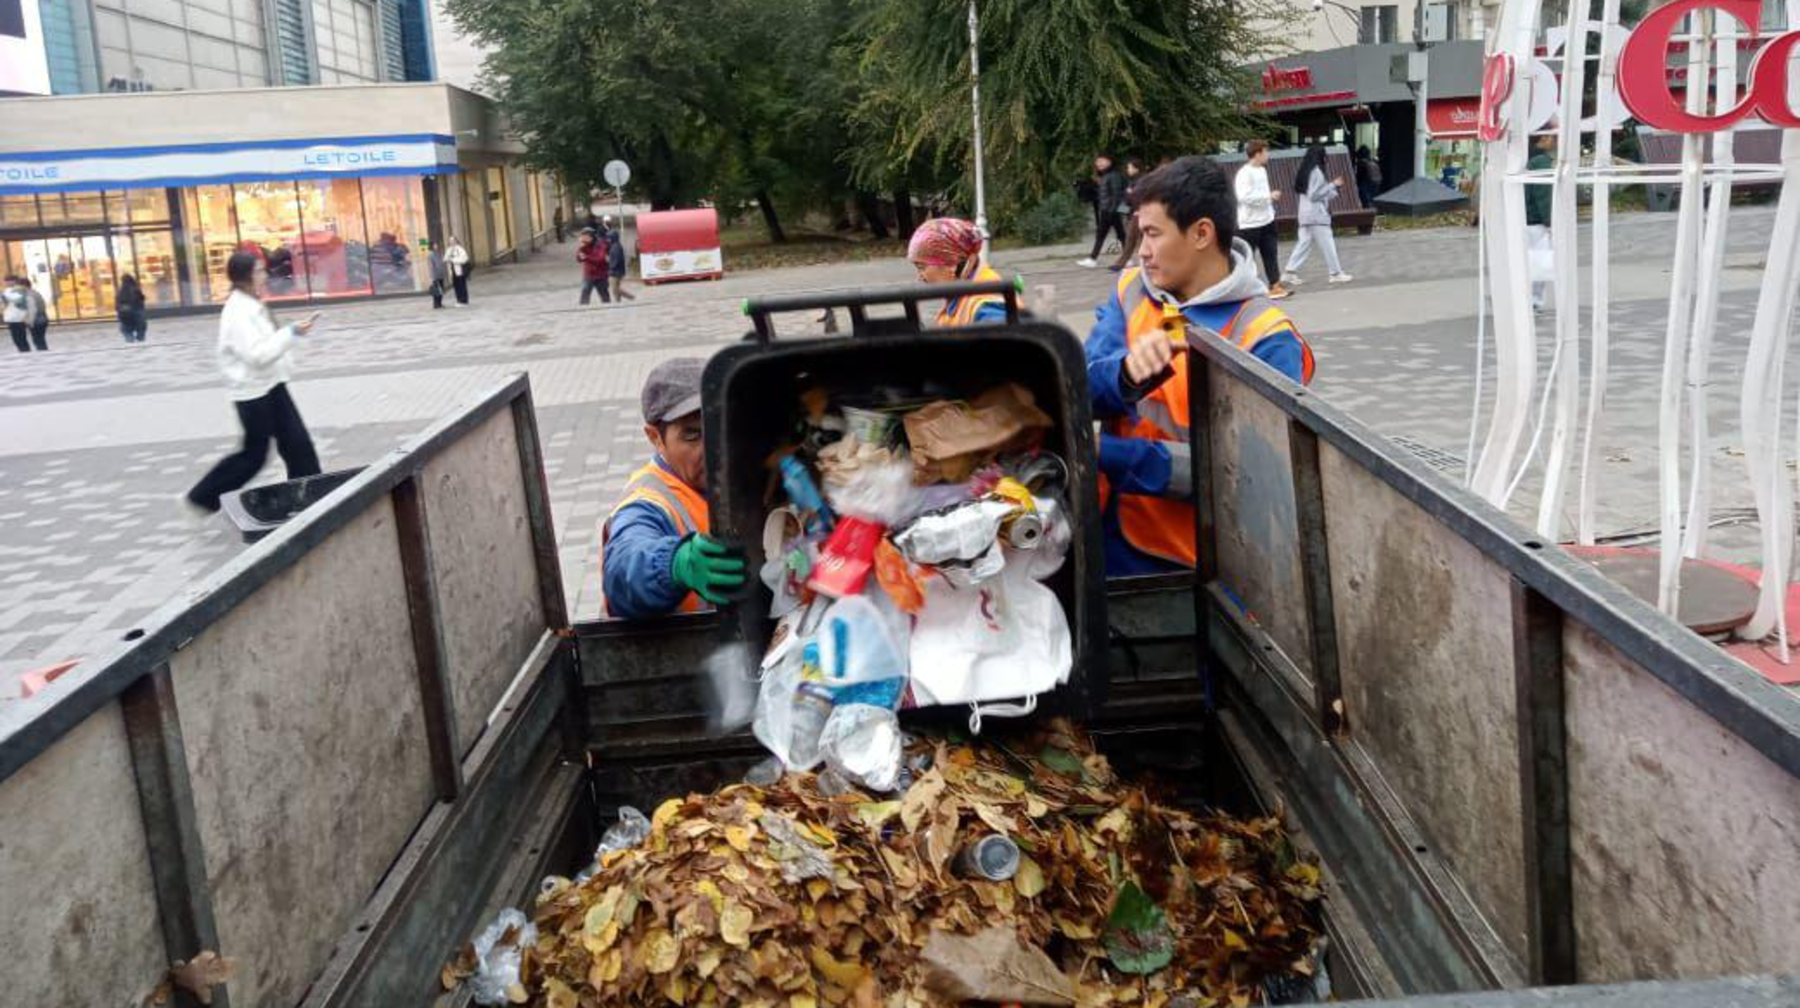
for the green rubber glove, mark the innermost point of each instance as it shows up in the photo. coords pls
(708, 568)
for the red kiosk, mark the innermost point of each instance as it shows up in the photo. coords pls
(679, 245)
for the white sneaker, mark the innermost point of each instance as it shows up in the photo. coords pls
(1338, 278)
(1291, 280)
(1088, 263)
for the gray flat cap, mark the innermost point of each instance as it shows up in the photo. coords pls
(673, 389)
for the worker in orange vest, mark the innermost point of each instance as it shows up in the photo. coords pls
(656, 553)
(1197, 275)
(948, 249)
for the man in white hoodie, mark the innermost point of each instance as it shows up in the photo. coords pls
(255, 356)
(1256, 214)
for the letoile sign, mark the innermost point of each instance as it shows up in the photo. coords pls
(1644, 80)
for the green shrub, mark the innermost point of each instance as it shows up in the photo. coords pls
(1057, 217)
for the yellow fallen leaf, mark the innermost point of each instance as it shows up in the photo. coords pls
(738, 837)
(1304, 873)
(628, 908)
(817, 888)
(736, 872)
(1116, 822)
(664, 813)
(601, 913)
(677, 989)
(710, 890)
(873, 814)
(515, 993)
(558, 995)
(604, 940)
(659, 951)
(803, 1001)
(1035, 807)
(1233, 940)
(734, 924)
(841, 974)
(606, 968)
(823, 834)
(1029, 880)
(708, 962)
(1073, 928)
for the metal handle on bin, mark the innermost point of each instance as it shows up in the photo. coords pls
(909, 296)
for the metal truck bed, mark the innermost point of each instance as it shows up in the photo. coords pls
(336, 757)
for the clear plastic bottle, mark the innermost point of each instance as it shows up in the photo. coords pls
(812, 708)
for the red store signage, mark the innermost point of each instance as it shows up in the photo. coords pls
(1644, 76)
(1276, 78)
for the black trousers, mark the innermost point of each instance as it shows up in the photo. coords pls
(272, 417)
(1112, 221)
(437, 293)
(461, 282)
(39, 332)
(19, 332)
(1262, 239)
(589, 286)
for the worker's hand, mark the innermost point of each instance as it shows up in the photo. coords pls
(708, 568)
(1149, 358)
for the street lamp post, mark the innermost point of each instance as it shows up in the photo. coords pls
(981, 221)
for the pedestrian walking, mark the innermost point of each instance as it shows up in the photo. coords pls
(1540, 257)
(1109, 207)
(1368, 176)
(1256, 214)
(256, 357)
(133, 325)
(457, 258)
(39, 311)
(590, 252)
(615, 262)
(15, 310)
(440, 275)
(1315, 193)
(1134, 168)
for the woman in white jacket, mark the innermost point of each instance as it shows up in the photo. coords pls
(457, 258)
(256, 358)
(1316, 193)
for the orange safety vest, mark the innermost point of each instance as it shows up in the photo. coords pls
(1161, 526)
(684, 505)
(961, 312)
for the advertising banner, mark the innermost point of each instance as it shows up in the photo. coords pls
(23, 67)
(201, 164)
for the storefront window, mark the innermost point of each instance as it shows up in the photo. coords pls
(478, 241)
(334, 250)
(18, 211)
(144, 206)
(153, 262)
(400, 239)
(72, 208)
(268, 216)
(499, 200)
(211, 214)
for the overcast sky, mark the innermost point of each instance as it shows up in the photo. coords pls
(458, 58)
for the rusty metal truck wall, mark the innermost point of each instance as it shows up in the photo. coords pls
(246, 770)
(1557, 783)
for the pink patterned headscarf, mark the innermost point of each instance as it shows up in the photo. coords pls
(944, 241)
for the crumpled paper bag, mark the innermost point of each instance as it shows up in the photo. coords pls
(951, 439)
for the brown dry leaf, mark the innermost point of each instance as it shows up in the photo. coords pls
(200, 974)
(920, 799)
(842, 974)
(559, 995)
(993, 965)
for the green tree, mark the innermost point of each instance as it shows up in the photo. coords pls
(1061, 81)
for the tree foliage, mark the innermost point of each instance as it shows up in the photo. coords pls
(811, 103)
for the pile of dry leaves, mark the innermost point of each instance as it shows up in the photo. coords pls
(781, 896)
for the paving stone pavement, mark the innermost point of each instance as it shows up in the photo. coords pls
(100, 438)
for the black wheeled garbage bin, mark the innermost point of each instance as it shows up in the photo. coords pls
(753, 389)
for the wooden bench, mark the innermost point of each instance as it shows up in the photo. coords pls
(1753, 146)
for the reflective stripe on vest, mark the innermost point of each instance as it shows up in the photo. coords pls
(682, 503)
(966, 307)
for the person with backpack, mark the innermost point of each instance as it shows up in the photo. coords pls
(1368, 176)
(615, 262)
(590, 252)
(133, 325)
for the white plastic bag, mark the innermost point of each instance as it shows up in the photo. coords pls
(862, 742)
(497, 963)
(1004, 639)
(773, 723)
(858, 643)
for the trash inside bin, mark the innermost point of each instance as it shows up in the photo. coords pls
(260, 510)
(894, 466)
